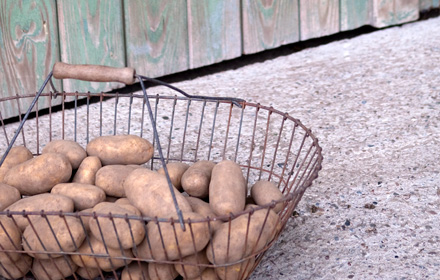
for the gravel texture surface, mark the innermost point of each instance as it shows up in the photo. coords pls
(373, 101)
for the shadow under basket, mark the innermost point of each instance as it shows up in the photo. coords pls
(266, 143)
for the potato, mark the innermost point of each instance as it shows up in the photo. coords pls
(117, 257)
(148, 191)
(40, 174)
(129, 234)
(15, 156)
(159, 271)
(237, 271)
(246, 236)
(264, 192)
(175, 170)
(17, 269)
(203, 208)
(44, 201)
(136, 271)
(193, 267)
(168, 249)
(53, 269)
(53, 234)
(88, 273)
(143, 250)
(83, 195)
(8, 195)
(86, 219)
(10, 239)
(111, 179)
(195, 181)
(227, 189)
(87, 170)
(120, 149)
(72, 150)
(207, 274)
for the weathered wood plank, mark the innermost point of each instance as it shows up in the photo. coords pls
(28, 50)
(354, 13)
(156, 36)
(268, 24)
(392, 12)
(318, 18)
(91, 32)
(214, 31)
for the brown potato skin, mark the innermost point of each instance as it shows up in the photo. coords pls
(240, 245)
(122, 227)
(18, 269)
(68, 231)
(191, 270)
(263, 192)
(83, 195)
(176, 171)
(10, 239)
(111, 178)
(40, 174)
(207, 274)
(200, 231)
(120, 149)
(44, 201)
(195, 181)
(8, 195)
(54, 269)
(227, 190)
(87, 170)
(203, 208)
(99, 248)
(72, 150)
(235, 272)
(162, 271)
(16, 155)
(148, 191)
(136, 271)
(88, 273)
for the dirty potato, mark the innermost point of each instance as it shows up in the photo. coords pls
(195, 180)
(207, 274)
(17, 269)
(227, 189)
(168, 248)
(111, 179)
(237, 271)
(53, 233)
(8, 195)
(87, 170)
(162, 271)
(16, 155)
(40, 174)
(120, 149)
(126, 234)
(53, 269)
(72, 150)
(149, 192)
(45, 201)
(88, 272)
(83, 195)
(203, 208)
(176, 171)
(194, 267)
(136, 271)
(10, 239)
(264, 192)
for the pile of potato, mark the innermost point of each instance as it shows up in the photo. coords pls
(109, 177)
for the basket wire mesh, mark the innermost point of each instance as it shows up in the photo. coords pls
(267, 144)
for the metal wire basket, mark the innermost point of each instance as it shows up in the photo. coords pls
(266, 143)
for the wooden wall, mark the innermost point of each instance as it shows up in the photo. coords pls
(168, 36)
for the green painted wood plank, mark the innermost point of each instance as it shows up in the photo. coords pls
(392, 12)
(214, 31)
(354, 13)
(91, 32)
(156, 36)
(268, 24)
(318, 18)
(28, 50)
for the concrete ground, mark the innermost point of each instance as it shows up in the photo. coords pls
(373, 101)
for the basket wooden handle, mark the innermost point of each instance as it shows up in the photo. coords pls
(94, 73)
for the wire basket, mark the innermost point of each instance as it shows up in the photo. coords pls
(266, 143)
